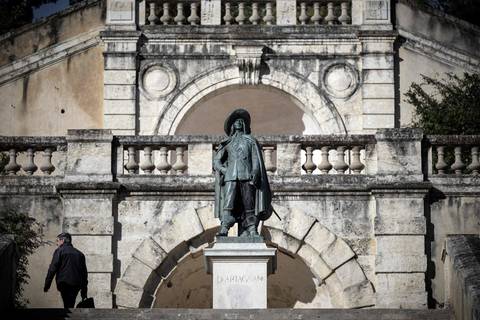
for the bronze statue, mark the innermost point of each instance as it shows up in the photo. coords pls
(242, 192)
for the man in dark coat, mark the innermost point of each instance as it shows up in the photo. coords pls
(69, 269)
(242, 191)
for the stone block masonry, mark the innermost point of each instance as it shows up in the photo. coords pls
(360, 235)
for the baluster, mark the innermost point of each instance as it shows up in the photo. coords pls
(254, 18)
(458, 165)
(47, 166)
(356, 166)
(344, 17)
(163, 166)
(269, 165)
(165, 18)
(441, 165)
(152, 17)
(309, 166)
(241, 13)
(179, 166)
(340, 165)
(324, 166)
(316, 18)
(179, 18)
(474, 166)
(268, 19)
(131, 165)
(147, 165)
(303, 13)
(12, 166)
(194, 19)
(330, 18)
(30, 166)
(228, 14)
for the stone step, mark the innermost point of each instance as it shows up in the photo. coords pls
(208, 314)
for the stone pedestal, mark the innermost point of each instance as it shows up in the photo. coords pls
(240, 268)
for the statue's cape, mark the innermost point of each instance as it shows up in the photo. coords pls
(263, 199)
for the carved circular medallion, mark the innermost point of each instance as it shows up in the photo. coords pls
(158, 81)
(340, 80)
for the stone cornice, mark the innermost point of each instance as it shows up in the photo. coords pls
(439, 52)
(49, 56)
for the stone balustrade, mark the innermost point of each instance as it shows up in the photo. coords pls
(170, 155)
(283, 155)
(257, 12)
(341, 154)
(151, 155)
(33, 155)
(457, 155)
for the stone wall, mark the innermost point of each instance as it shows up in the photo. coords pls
(431, 44)
(462, 269)
(370, 238)
(51, 74)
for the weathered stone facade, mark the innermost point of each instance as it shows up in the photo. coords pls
(363, 236)
(364, 208)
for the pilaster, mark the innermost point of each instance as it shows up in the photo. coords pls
(120, 67)
(89, 203)
(378, 80)
(399, 223)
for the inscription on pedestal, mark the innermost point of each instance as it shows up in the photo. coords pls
(240, 272)
(376, 10)
(286, 12)
(240, 285)
(211, 12)
(239, 279)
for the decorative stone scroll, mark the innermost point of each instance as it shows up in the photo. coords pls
(120, 12)
(249, 58)
(211, 12)
(157, 81)
(286, 12)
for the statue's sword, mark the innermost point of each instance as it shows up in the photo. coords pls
(276, 214)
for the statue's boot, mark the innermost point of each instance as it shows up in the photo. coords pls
(223, 231)
(227, 222)
(251, 223)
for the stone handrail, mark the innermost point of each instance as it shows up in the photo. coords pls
(336, 154)
(453, 154)
(34, 155)
(250, 12)
(285, 155)
(295, 154)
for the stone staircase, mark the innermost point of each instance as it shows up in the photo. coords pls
(208, 314)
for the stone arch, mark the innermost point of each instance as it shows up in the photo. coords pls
(329, 257)
(310, 97)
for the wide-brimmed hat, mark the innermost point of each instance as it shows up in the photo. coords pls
(237, 114)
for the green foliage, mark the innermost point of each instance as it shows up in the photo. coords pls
(447, 106)
(28, 237)
(16, 13)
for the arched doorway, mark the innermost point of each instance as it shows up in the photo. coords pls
(272, 110)
(329, 271)
(189, 286)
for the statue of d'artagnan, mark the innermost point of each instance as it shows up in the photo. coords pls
(242, 192)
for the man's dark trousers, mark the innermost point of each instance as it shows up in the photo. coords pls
(69, 294)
